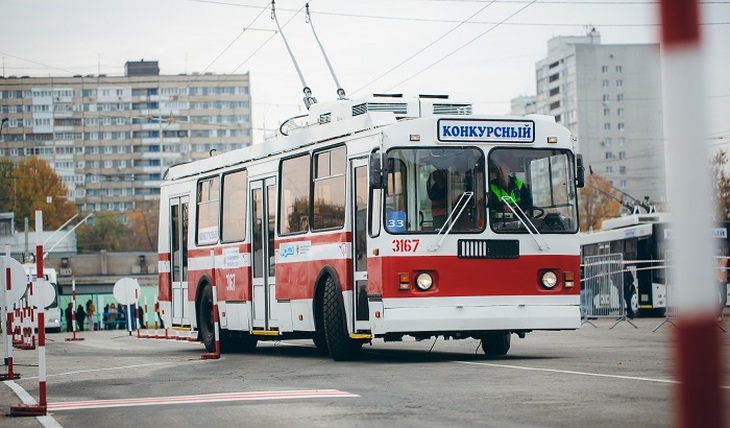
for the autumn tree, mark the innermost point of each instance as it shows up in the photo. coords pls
(721, 184)
(142, 227)
(104, 231)
(597, 201)
(36, 186)
(7, 195)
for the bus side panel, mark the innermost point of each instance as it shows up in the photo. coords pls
(295, 280)
(164, 284)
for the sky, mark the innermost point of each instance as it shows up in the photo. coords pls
(480, 51)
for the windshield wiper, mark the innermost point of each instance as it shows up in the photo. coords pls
(444, 231)
(525, 220)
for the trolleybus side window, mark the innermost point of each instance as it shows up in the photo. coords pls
(294, 196)
(328, 209)
(208, 209)
(233, 221)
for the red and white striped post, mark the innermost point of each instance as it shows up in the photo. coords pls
(73, 312)
(42, 407)
(689, 184)
(8, 311)
(216, 331)
(136, 311)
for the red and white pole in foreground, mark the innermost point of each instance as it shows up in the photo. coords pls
(42, 407)
(216, 331)
(689, 184)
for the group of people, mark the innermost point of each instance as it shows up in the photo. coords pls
(113, 317)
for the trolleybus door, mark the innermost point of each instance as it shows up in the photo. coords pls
(179, 258)
(359, 175)
(263, 207)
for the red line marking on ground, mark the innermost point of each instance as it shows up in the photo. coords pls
(201, 398)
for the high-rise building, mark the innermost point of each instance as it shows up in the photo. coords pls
(610, 97)
(111, 138)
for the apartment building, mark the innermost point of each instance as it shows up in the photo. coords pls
(111, 138)
(610, 97)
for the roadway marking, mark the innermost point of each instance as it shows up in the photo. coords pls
(201, 398)
(573, 372)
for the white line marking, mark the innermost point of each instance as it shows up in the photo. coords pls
(47, 421)
(201, 398)
(538, 369)
(106, 369)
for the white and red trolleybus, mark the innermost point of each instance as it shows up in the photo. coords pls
(327, 231)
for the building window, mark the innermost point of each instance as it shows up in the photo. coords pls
(620, 112)
(605, 98)
(619, 69)
(604, 69)
(609, 169)
(607, 126)
(555, 91)
(622, 170)
(619, 83)
(554, 77)
(621, 126)
(607, 112)
(622, 155)
(605, 83)
(554, 105)
(622, 184)
(609, 155)
(620, 97)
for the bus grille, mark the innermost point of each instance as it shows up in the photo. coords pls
(489, 249)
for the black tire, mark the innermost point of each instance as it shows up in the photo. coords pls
(320, 341)
(205, 318)
(496, 343)
(341, 347)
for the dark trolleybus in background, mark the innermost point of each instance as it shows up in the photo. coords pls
(377, 219)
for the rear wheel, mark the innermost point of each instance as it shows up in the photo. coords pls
(205, 318)
(496, 343)
(340, 346)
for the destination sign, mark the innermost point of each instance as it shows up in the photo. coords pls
(476, 131)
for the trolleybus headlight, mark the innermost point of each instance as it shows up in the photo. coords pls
(424, 281)
(549, 279)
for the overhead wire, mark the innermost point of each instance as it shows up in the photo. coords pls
(463, 45)
(438, 39)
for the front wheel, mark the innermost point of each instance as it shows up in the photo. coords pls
(496, 343)
(340, 346)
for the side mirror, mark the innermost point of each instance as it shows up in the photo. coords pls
(580, 174)
(377, 171)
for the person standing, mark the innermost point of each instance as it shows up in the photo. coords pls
(90, 310)
(68, 313)
(80, 317)
(629, 291)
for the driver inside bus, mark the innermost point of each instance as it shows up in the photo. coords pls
(504, 184)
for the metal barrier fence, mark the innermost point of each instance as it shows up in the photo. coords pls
(602, 289)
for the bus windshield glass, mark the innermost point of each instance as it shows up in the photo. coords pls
(424, 186)
(532, 186)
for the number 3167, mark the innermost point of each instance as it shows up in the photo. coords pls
(405, 245)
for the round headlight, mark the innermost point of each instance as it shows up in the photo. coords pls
(549, 279)
(424, 281)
